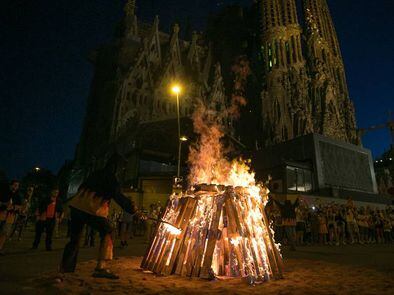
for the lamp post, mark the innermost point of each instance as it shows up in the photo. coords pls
(176, 89)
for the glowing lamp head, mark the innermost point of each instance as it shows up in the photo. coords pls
(183, 138)
(176, 89)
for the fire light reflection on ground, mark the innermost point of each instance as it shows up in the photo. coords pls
(302, 276)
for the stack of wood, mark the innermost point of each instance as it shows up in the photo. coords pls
(215, 231)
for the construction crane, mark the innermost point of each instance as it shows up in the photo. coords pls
(389, 125)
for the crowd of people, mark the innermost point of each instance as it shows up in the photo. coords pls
(141, 224)
(16, 211)
(295, 223)
(331, 224)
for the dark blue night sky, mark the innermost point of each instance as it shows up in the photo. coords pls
(45, 76)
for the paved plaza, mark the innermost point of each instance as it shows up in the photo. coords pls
(355, 269)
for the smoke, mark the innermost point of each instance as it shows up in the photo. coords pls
(207, 158)
(241, 71)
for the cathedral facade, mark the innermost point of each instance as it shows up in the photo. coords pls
(305, 85)
(296, 86)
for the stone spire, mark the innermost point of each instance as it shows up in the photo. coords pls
(129, 8)
(289, 12)
(130, 19)
(286, 112)
(333, 110)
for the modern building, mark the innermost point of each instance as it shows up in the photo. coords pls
(319, 166)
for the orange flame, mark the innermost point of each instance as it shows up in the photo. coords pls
(207, 159)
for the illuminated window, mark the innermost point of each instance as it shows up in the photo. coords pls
(298, 179)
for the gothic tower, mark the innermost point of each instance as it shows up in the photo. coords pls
(332, 110)
(286, 111)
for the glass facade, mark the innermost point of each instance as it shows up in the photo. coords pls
(299, 179)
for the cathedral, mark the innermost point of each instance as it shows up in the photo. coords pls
(295, 86)
(305, 85)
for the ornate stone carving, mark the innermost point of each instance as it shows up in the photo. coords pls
(303, 85)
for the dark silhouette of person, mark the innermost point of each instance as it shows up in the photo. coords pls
(288, 214)
(90, 206)
(46, 214)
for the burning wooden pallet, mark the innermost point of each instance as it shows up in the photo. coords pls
(215, 231)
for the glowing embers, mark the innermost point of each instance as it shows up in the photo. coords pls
(172, 229)
(222, 231)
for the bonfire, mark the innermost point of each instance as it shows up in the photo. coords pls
(218, 227)
(216, 230)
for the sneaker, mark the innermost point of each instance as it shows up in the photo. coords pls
(105, 274)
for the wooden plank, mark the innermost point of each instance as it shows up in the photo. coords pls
(189, 255)
(254, 268)
(204, 234)
(164, 250)
(154, 251)
(182, 223)
(152, 245)
(212, 238)
(230, 233)
(183, 249)
(176, 240)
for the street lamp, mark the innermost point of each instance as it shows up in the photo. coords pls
(176, 89)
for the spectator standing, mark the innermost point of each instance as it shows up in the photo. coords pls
(151, 222)
(23, 214)
(308, 228)
(315, 226)
(289, 220)
(332, 230)
(46, 215)
(387, 229)
(300, 225)
(340, 219)
(371, 226)
(351, 224)
(323, 230)
(126, 227)
(10, 204)
(362, 225)
(278, 225)
(379, 224)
